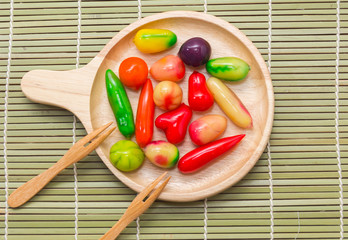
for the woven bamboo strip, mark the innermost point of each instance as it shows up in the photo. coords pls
(303, 154)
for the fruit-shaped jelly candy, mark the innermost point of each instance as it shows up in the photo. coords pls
(133, 72)
(167, 95)
(230, 103)
(207, 129)
(228, 68)
(145, 115)
(169, 68)
(199, 96)
(174, 123)
(126, 155)
(195, 52)
(201, 156)
(162, 154)
(154, 40)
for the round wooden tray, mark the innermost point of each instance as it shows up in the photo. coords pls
(82, 92)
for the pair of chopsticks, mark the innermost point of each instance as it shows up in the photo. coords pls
(77, 152)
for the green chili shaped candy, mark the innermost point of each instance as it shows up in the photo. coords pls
(120, 104)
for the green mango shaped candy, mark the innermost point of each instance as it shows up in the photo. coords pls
(126, 155)
(228, 68)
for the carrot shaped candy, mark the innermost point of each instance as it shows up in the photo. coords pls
(199, 157)
(145, 115)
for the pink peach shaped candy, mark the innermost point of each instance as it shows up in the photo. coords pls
(169, 68)
(167, 95)
(161, 153)
(207, 128)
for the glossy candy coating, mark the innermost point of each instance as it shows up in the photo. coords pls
(199, 96)
(207, 129)
(126, 155)
(199, 157)
(174, 123)
(195, 52)
(154, 40)
(169, 68)
(162, 154)
(120, 104)
(133, 72)
(230, 103)
(167, 95)
(228, 68)
(145, 115)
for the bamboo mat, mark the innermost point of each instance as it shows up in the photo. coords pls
(298, 188)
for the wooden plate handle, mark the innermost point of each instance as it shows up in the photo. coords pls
(67, 89)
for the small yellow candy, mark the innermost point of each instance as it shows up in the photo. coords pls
(154, 40)
(230, 103)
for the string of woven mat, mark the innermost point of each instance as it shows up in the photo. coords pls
(296, 190)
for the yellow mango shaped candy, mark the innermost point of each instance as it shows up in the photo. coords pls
(229, 103)
(154, 40)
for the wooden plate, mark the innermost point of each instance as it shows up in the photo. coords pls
(82, 92)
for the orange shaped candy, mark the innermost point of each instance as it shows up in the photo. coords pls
(169, 68)
(133, 72)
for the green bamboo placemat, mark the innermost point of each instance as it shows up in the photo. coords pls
(298, 188)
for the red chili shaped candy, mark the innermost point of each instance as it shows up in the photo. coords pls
(174, 123)
(145, 115)
(199, 96)
(197, 158)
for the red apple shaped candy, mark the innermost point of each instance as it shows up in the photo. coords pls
(199, 96)
(174, 123)
(169, 68)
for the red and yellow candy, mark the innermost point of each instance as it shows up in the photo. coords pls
(169, 68)
(207, 128)
(230, 103)
(162, 154)
(167, 95)
(154, 40)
